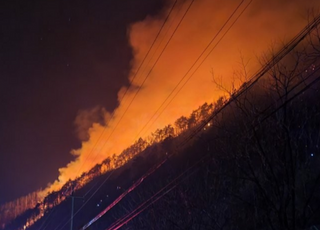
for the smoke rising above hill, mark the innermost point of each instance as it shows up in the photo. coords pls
(263, 24)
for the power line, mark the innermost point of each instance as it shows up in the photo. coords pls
(108, 208)
(293, 97)
(130, 189)
(145, 79)
(194, 63)
(178, 25)
(256, 77)
(155, 63)
(293, 87)
(135, 75)
(82, 206)
(144, 205)
(127, 89)
(184, 84)
(276, 59)
(164, 35)
(127, 217)
(55, 207)
(44, 226)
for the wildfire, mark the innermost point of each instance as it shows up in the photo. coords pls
(201, 23)
(248, 35)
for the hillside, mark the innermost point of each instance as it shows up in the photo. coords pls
(257, 167)
(247, 162)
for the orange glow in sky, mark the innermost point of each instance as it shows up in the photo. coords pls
(263, 25)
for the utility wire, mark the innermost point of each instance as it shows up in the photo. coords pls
(160, 42)
(144, 205)
(194, 63)
(127, 89)
(130, 189)
(46, 219)
(187, 10)
(293, 97)
(124, 219)
(279, 56)
(99, 215)
(184, 84)
(304, 80)
(155, 63)
(271, 63)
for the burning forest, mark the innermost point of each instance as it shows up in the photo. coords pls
(246, 158)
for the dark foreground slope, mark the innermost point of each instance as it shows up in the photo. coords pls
(255, 165)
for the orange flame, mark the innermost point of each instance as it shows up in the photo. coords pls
(262, 22)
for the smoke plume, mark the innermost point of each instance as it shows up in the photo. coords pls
(263, 25)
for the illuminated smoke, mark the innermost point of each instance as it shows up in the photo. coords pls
(86, 118)
(263, 25)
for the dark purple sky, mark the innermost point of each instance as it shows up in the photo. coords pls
(56, 58)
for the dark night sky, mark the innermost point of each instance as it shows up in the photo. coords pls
(56, 58)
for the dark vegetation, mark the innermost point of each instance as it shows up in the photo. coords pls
(256, 165)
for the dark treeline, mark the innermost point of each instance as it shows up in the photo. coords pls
(256, 165)
(259, 162)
